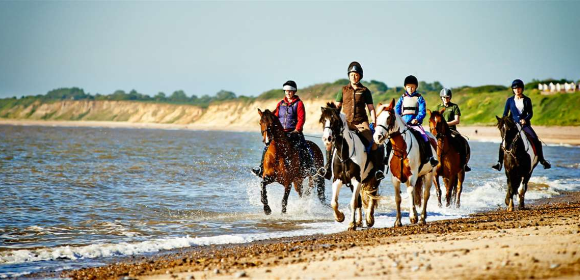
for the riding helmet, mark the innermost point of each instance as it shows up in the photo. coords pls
(355, 67)
(411, 80)
(290, 85)
(445, 92)
(517, 83)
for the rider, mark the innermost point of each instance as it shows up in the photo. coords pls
(353, 99)
(519, 107)
(452, 115)
(290, 111)
(411, 106)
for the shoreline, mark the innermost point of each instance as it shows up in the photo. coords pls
(542, 241)
(562, 135)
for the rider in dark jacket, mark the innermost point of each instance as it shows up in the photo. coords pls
(519, 107)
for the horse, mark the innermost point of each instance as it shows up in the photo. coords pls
(282, 162)
(349, 166)
(405, 162)
(519, 159)
(449, 166)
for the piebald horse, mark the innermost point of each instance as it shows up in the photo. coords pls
(405, 162)
(282, 162)
(349, 166)
(449, 166)
(519, 159)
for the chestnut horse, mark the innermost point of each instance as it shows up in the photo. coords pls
(349, 166)
(449, 159)
(519, 159)
(282, 162)
(405, 162)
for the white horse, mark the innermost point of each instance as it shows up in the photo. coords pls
(349, 166)
(405, 161)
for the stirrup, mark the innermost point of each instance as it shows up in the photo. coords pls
(257, 171)
(321, 171)
(379, 175)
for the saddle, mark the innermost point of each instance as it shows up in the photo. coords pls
(531, 141)
(420, 139)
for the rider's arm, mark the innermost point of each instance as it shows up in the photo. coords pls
(371, 108)
(528, 109)
(276, 110)
(421, 113)
(301, 117)
(455, 121)
(457, 114)
(398, 106)
(338, 100)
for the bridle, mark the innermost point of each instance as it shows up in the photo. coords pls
(268, 132)
(341, 135)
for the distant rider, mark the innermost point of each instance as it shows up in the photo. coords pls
(519, 107)
(290, 111)
(412, 107)
(452, 116)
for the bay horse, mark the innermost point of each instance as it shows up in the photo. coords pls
(405, 162)
(282, 162)
(349, 166)
(449, 166)
(519, 159)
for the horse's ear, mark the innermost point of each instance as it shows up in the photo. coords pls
(429, 112)
(260, 112)
(442, 110)
(498, 118)
(322, 109)
(379, 105)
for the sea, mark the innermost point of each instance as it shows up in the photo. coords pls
(74, 197)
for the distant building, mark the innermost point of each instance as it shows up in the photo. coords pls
(552, 87)
(540, 87)
(573, 86)
(566, 87)
(558, 87)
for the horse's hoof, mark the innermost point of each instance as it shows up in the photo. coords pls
(352, 227)
(267, 210)
(422, 222)
(370, 222)
(510, 209)
(440, 204)
(398, 224)
(507, 201)
(340, 217)
(413, 220)
(359, 224)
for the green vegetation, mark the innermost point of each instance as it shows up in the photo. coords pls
(479, 105)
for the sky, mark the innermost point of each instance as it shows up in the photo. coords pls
(252, 47)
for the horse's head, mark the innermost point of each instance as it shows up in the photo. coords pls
(332, 123)
(437, 123)
(507, 128)
(386, 122)
(269, 123)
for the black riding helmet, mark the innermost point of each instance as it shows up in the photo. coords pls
(355, 67)
(290, 85)
(517, 83)
(411, 80)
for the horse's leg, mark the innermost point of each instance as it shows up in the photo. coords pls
(397, 186)
(448, 189)
(298, 186)
(370, 209)
(319, 181)
(509, 200)
(411, 192)
(358, 207)
(426, 194)
(267, 209)
(437, 189)
(522, 192)
(336, 185)
(285, 198)
(354, 204)
(460, 180)
(454, 189)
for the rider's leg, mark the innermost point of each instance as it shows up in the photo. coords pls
(499, 163)
(259, 170)
(307, 155)
(374, 155)
(530, 131)
(461, 145)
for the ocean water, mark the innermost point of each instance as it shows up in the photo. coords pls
(78, 197)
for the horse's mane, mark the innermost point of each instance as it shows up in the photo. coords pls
(435, 114)
(269, 118)
(330, 112)
(507, 121)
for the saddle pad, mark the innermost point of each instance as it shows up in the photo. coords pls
(531, 142)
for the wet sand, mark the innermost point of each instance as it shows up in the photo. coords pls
(542, 241)
(549, 134)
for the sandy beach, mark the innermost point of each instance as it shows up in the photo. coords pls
(542, 241)
(569, 135)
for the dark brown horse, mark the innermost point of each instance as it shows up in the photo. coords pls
(450, 163)
(282, 162)
(520, 160)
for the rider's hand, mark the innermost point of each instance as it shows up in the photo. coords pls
(372, 126)
(414, 121)
(295, 131)
(523, 122)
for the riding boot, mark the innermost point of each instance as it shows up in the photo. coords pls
(377, 160)
(388, 155)
(309, 162)
(499, 161)
(540, 151)
(259, 170)
(462, 147)
(429, 154)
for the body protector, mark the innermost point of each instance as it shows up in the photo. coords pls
(410, 105)
(288, 115)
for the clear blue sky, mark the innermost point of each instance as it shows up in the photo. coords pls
(251, 47)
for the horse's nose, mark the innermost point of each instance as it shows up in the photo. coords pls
(329, 138)
(379, 137)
